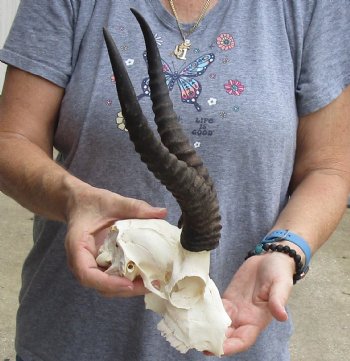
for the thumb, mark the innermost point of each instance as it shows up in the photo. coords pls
(134, 208)
(278, 298)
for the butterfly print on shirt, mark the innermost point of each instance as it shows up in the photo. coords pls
(185, 78)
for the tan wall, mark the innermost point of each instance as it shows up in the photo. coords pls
(7, 12)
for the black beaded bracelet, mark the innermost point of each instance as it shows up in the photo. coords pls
(300, 272)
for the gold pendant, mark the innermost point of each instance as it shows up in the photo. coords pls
(181, 49)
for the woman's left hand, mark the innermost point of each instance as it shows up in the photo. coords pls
(258, 292)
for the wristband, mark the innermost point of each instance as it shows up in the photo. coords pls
(285, 234)
(267, 244)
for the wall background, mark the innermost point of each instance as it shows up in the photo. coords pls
(8, 10)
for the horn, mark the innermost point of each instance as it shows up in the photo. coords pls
(171, 158)
(168, 126)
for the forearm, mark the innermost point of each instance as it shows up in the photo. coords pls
(321, 178)
(316, 207)
(33, 179)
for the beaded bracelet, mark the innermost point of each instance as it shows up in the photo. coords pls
(300, 270)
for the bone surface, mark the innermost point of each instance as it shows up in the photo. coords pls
(181, 289)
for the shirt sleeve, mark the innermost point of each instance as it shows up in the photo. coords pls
(41, 39)
(325, 62)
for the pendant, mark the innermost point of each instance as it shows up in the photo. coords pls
(181, 49)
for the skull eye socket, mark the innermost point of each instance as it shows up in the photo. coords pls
(130, 266)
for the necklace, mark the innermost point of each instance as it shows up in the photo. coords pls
(182, 48)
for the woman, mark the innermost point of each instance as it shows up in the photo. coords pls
(261, 88)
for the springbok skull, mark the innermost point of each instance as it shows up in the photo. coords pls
(173, 262)
(181, 290)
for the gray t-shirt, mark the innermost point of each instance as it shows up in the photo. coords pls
(254, 67)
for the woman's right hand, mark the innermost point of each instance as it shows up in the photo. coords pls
(89, 213)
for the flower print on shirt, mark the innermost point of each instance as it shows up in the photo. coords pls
(158, 39)
(234, 87)
(225, 41)
(129, 62)
(225, 60)
(212, 101)
(120, 120)
(190, 88)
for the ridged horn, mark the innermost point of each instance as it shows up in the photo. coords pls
(171, 159)
(168, 126)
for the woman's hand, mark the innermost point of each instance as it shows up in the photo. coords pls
(258, 292)
(27, 127)
(89, 214)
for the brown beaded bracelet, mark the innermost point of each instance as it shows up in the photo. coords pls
(300, 272)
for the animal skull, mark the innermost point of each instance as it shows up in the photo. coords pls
(173, 263)
(181, 290)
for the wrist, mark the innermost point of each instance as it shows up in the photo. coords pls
(283, 241)
(287, 261)
(76, 192)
